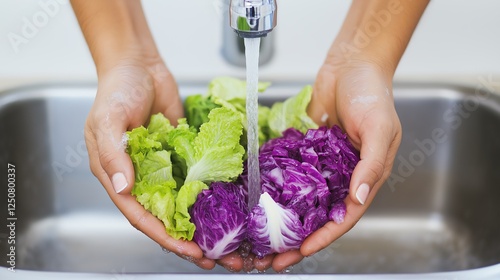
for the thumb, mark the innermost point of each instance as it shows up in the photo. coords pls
(112, 156)
(370, 169)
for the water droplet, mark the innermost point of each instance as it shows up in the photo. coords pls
(253, 271)
(287, 270)
(188, 258)
(248, 263)
(165, 250)
(244, 249)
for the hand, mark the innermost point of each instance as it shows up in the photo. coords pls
(128, 94)
(354, 90)
(358, 97)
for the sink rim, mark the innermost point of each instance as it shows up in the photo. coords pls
(489, 272)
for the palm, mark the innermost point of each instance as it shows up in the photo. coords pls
(132, 93)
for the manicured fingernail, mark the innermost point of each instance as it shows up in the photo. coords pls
(362, 193)
(119, 182)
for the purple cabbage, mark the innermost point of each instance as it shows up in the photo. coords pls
(308, 177)
(220, 215)
(273, 228)
(305, 179)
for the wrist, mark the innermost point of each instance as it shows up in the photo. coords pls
(337, 65)
(130, 55)
(116, 32)
(376, 32)
(130, 46)
(379, 54)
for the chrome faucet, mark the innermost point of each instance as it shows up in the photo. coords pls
(252, 18)
(249, 19)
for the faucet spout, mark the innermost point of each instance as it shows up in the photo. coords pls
(252, 18)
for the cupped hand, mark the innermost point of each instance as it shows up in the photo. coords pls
(357, 96)
(128, 94)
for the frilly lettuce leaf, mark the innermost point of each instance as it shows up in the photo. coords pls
(185, 199)
(159, 199)
(168, 190)
(157, 189)
(218, 154)
(291, 113)
(181, 139)
(197, 108)
(231, 93)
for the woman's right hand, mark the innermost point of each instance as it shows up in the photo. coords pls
(128, 94)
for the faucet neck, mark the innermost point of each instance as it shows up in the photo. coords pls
(252, 18)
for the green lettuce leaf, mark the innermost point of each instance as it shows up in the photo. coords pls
(139, 141)
(263, 123)
(197, 108)
(291, 113)
(159, 124)
(185, 199)
(159, 199)
(231, 92)
(181, 139)
(172, 164)
(155, 187)
(217, 151)
(156, 168)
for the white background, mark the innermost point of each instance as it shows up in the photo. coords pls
(456, 39)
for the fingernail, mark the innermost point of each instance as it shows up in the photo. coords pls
(362, 193)
(119, 182)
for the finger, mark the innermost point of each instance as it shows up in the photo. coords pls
(321, 108)
(91, 144)
(169, 102)
(321, 112)
(284, 260)
(232, 262)
(316, 110)
(204, 262)
(113, 159)
(264, 263)
(331, 231)
(375, 143)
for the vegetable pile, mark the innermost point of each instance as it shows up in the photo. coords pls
(192, 176)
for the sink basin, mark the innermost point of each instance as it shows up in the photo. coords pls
(436, 215)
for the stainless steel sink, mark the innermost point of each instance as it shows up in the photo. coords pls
(437, 216)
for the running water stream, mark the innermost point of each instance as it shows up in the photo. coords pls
(252, 46)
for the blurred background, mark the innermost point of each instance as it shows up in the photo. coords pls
(456, 40)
